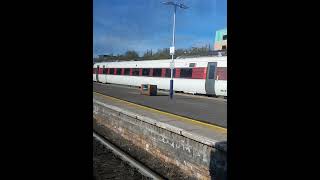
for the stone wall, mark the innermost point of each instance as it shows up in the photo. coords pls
(166, 152)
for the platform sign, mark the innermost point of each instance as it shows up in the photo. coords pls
(172, 50)
(171, 65)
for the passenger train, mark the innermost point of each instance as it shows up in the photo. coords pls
(201, 75)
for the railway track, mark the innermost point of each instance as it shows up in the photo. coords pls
(125, 157)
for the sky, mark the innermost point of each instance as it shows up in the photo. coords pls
(141, 25)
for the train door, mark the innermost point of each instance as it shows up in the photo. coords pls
(97, 74)
(210, 80)
(103, 73)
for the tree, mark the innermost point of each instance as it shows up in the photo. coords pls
(147, 55)
(160, 54)
(130, 55)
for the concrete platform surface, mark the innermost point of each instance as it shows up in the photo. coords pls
(201, 132)
(209, 110)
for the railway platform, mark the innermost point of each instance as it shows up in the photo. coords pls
(206, 110)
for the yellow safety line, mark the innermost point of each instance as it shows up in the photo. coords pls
(169, 114)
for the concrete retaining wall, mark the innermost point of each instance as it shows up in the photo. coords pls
(163, 149)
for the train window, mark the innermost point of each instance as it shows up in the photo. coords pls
(221, 73)
(145, 72)
(135, 72)
(186, 72)
(111, 71)
(168, 73)
(157, 72)
(127, 71)
(224, 37)
(104, 70)
(118, 71)
(212, 69)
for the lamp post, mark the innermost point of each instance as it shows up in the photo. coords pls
(172, 48)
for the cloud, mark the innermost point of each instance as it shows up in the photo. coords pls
(117, 44)
(146, 24)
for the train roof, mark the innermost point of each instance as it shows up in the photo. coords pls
(196, 59)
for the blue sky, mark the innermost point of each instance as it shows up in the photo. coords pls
(121, 25)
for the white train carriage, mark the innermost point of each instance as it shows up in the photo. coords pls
(202, 75)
